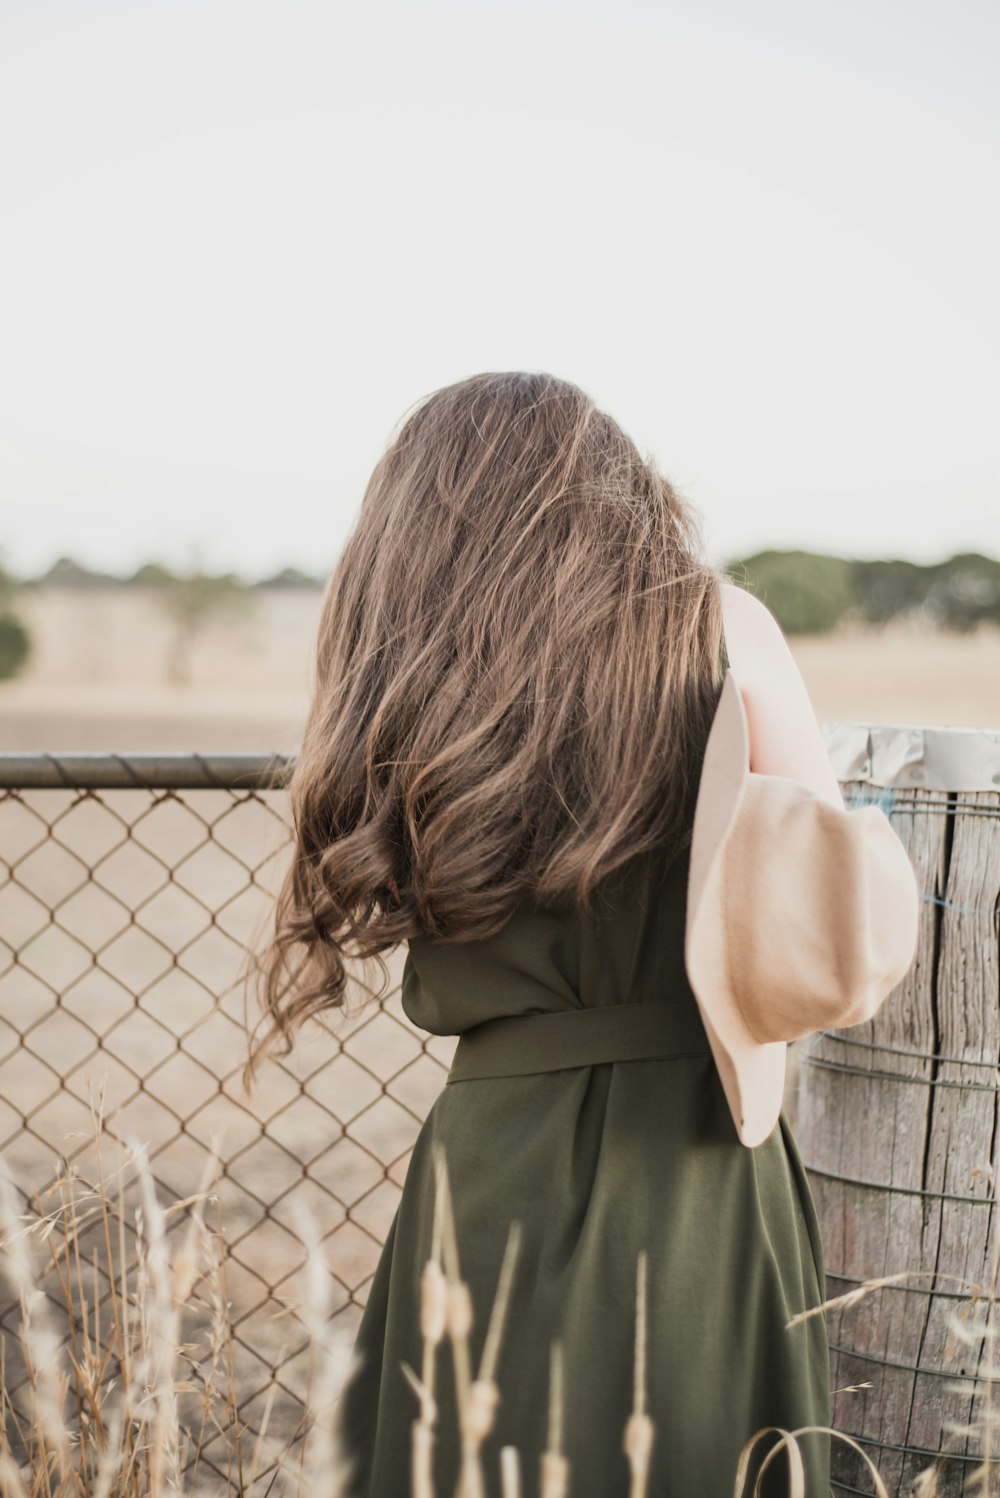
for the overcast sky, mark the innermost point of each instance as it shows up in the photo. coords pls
(238, 240)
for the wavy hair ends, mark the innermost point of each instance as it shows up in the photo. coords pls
(517, 662)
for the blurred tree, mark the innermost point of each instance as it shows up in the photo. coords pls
(15, 637)
(964, 591)
(150, 575)
(65, 573)
(291, 577)
(190, 601)
(807, 592)
(811, 593)
(15, 644)
(891, 588)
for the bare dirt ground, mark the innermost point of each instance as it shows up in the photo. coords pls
(98, 680)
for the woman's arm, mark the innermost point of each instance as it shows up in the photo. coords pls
(785, 736)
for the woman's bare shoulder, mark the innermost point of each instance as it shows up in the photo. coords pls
(785, 735)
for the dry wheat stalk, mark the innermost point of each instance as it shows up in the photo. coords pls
(117, 1434)
(442, 1309)
(639, 1427)
(327, 1467)
(433, 1321)
(458, 1320)
(554, 1465)
(510, 1472)
(39, 1343)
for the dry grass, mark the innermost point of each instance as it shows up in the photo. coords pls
(135, 1395)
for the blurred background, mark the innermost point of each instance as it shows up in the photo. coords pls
(240, 240)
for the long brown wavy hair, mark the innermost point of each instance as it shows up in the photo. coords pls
(517, 663)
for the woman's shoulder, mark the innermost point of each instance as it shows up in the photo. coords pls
(785, 734)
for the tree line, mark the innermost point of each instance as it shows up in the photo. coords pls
(807, 592)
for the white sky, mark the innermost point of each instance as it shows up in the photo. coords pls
(238, 240)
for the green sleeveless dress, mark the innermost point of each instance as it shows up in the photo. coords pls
(603, 1134)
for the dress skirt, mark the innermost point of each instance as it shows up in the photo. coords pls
(597, 1162)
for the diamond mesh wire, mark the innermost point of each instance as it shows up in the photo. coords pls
(131, 886)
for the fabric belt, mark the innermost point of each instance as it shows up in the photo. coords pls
(519, 1045)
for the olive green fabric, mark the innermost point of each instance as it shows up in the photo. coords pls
(598, 1161)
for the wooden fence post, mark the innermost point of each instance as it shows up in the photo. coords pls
(897, 1123)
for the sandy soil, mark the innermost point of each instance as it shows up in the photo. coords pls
(98, 680)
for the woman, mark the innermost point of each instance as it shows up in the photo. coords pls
(519, 657)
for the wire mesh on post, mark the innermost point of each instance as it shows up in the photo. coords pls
(896, 1120)
(132, 886)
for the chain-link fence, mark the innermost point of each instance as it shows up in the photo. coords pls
(132, 889)
(132, 886)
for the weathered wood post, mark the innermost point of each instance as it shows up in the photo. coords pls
(897, 1120)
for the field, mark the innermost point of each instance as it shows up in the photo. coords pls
(329, 1130)
(98, 680)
